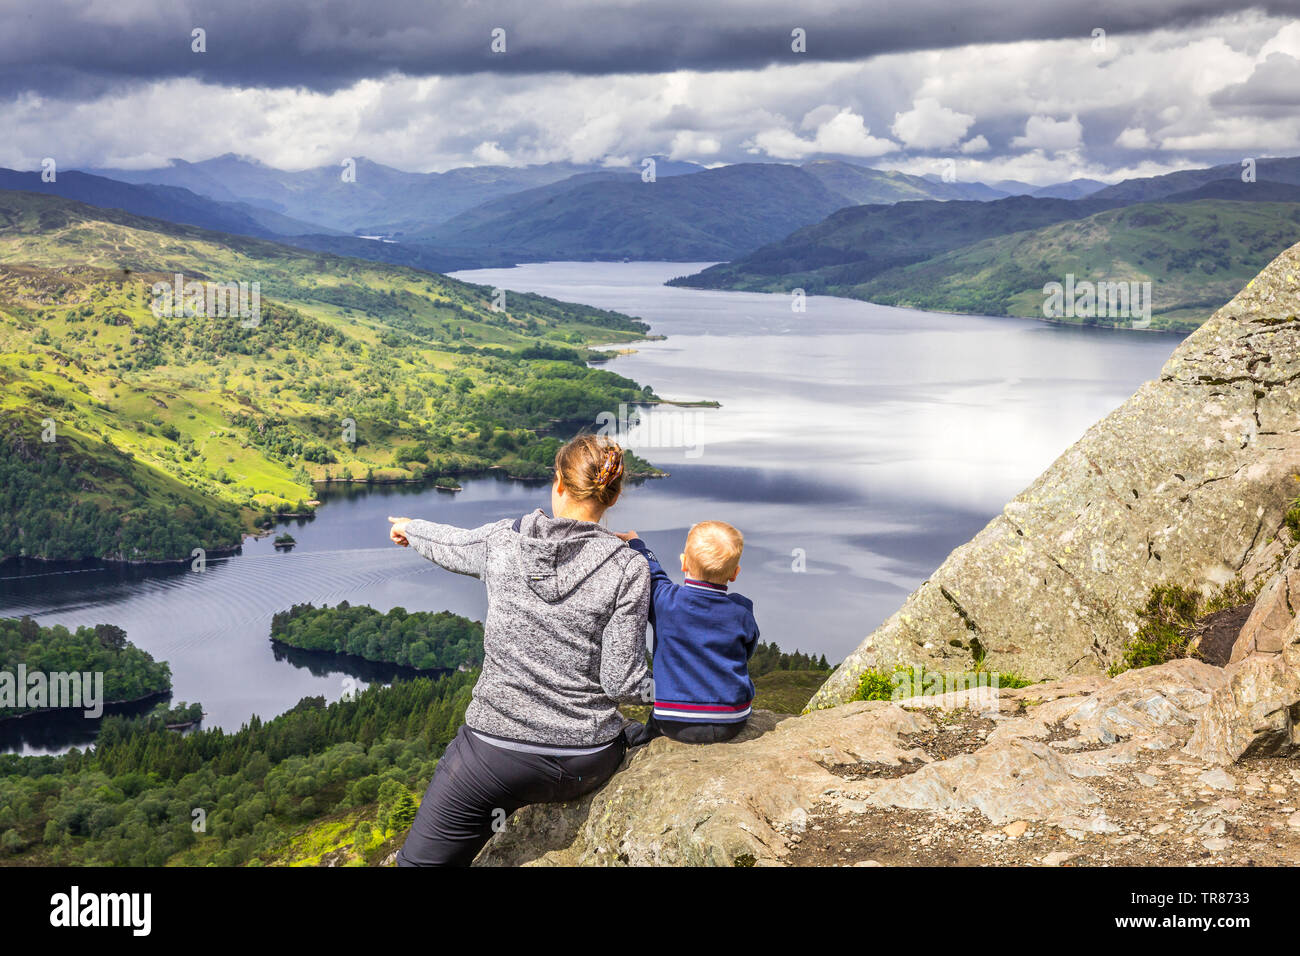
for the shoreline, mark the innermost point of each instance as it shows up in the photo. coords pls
(227, 551)
(42, 711)
(357, 659)
(972, 315)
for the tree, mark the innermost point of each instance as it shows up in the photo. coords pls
(111, 636)
(403, 813)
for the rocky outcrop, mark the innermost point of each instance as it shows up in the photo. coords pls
(1257, 712)
(1084, 768)
(1271, 621)
(677, 804)
(1187, 483)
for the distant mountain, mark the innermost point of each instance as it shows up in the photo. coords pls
(485, 215)
(1074, 189)
(171, 203)
(862, 185)
(183, 207)
(715, 214)
(416, 255)
(1014, 187)
(1285, 170)
(855, 244)
(963, 190)
(380, 200)
(1238, 191)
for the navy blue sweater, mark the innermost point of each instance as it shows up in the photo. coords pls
(703, 640)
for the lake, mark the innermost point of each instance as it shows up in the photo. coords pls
(855, 446)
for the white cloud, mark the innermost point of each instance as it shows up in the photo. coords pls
(1044, 132)
(688, 144)
(1134, 137)
(1038, 168)
(930, 125)
(491, 154)
(844, 134)
(976, 144)
(1286, 41)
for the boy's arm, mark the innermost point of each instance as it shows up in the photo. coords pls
(751, 642)
(659, 579)
(623, 670)
(462, 550)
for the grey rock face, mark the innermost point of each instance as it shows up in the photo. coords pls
(1185, 483)
(1257, 713)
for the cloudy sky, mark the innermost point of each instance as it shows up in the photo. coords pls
(1026, 89)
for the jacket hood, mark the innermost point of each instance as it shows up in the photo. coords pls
(558, 554)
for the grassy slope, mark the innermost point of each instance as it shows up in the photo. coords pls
(416, 359)
(1196, 256)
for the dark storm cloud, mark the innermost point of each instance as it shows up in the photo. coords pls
(69, 47)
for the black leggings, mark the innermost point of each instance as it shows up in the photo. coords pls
(477, 785)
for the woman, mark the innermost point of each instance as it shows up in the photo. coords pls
(563, 643)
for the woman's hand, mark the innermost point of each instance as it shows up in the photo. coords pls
(626, 535)
(398, 531)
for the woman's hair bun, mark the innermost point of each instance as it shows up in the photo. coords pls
(591, 467)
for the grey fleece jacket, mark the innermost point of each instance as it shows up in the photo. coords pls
(564, 639)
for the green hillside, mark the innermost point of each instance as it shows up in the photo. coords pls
(164, 202)
(862, 184)
(858, 243)
(175, 433)
(1195, 255)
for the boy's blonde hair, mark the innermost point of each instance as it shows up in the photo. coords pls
(713, 550)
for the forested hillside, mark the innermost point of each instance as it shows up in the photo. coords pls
(133, 435)
(994, 258)
(147, 796)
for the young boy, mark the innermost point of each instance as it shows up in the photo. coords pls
(703, 639)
